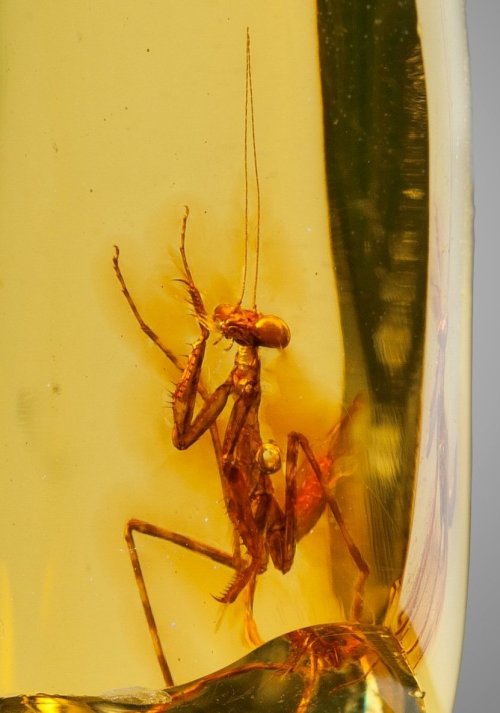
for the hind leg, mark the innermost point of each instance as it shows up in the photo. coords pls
(296, 440)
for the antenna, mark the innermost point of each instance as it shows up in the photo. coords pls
(249, 112)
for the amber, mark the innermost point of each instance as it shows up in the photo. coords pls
(344, 485)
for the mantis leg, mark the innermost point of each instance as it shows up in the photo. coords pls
(189, 384)
(151, 334)
(194, 293)
(188, 428)
(142, 323)
(296, 440)
(162, 533)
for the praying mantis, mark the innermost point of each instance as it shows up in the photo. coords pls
(266, 531)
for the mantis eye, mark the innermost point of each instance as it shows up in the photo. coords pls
(272, 332)
(269, 458)
(223, 312)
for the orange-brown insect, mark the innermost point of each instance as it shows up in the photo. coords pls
(266, 529)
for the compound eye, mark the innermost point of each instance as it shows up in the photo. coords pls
(223, 312)
(272, 332)
(269, 458)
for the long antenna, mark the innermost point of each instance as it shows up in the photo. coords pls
(249, 105)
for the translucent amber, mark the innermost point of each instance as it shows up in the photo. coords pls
(328, 161)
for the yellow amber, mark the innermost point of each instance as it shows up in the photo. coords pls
(115, 116)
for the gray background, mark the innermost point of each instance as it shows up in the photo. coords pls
(480, 675)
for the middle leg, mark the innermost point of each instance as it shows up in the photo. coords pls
(133, 526)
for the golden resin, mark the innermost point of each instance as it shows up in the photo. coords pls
(114, 119)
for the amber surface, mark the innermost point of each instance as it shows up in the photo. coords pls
(280, 676)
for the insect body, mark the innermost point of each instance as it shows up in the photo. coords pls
(246, 463)
(265, 529)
